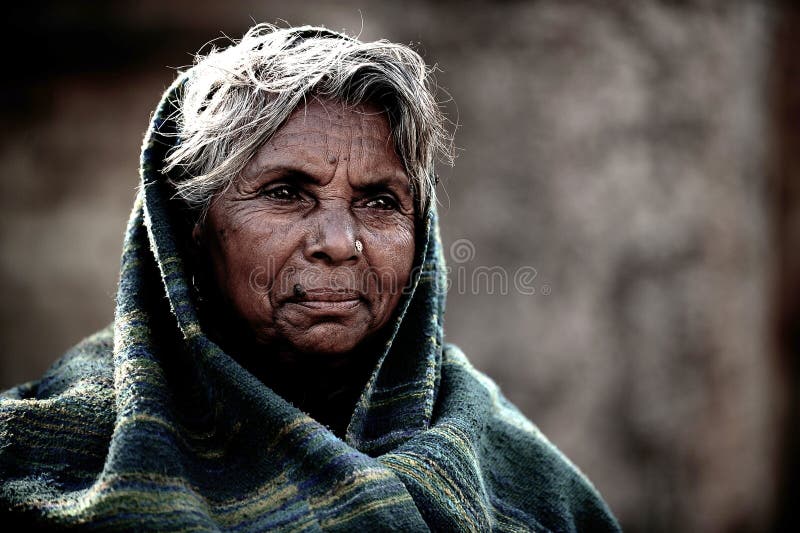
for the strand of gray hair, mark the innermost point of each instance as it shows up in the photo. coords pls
(236, 98)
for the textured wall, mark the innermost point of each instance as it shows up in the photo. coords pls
(617, 150)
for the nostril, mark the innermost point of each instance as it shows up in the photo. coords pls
(327, 258)
(333, 243)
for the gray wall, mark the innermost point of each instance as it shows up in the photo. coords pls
(618, 150)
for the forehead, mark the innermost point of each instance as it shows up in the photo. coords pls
(334, 119)
(322, 135)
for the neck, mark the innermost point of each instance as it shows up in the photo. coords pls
(325, 387)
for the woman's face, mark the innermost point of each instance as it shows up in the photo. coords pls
(282, 239)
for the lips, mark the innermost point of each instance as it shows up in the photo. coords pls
(328, 299)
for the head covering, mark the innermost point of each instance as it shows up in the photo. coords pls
(149, 424)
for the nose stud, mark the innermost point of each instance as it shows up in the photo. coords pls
(359, 246)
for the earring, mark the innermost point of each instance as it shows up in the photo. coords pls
(359, 246)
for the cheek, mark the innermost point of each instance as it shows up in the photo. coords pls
(392, 257)
(246, 258)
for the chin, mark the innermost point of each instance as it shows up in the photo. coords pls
(329, 339)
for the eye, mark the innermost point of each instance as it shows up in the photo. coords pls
(384, 202)
(281, 192)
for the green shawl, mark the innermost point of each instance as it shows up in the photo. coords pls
(150, 425)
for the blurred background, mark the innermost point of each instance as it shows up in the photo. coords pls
(640, 158)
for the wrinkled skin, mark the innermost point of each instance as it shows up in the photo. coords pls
(280, 242)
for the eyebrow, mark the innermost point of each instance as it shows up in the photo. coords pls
(381, 182)
(385, 182)
(292, 173)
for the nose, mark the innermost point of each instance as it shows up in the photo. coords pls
(334, 240)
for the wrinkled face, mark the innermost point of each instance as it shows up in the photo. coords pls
(282, 240)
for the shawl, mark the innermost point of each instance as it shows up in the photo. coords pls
(151, 425)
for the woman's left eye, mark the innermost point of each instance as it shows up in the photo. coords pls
(382, 202)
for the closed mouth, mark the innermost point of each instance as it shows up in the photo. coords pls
(329, 305)
(328, 299)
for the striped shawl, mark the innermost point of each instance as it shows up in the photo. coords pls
(150, 425)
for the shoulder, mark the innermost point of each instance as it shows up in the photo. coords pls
(528, 477)
(58, 426)
(88, 364)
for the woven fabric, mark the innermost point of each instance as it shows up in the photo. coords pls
(150, 425)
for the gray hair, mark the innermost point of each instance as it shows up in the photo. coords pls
(235, 99)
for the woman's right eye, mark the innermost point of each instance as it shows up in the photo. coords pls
(281, 192)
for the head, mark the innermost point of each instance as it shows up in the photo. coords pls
(306, 158)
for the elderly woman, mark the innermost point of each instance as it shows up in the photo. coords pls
(276, 361)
